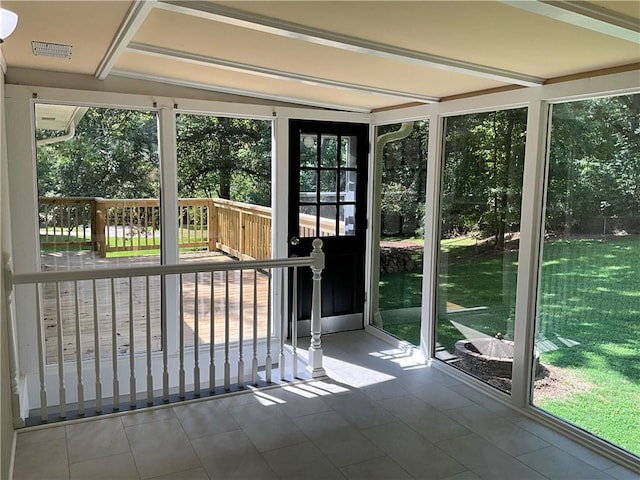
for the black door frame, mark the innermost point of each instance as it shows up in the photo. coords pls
(340, 250)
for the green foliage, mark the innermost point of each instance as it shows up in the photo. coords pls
(224, 157)
(403, 186)
(483, 169)
(594, 164)
(114, 154)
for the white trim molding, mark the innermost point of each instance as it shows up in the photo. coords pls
(585, 15)
(170, 54)
(136, 15)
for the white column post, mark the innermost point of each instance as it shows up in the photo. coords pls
(531, 226)
(315, 350)
(168, 234)
(279, 215)
(18, 420)
(21, 213)
(431, 238)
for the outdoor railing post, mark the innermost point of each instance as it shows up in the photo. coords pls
(212, 225)
(100, 228)
(315, 349)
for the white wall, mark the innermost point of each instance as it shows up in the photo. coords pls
(6, 419)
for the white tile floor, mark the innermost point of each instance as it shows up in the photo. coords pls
(378, 416)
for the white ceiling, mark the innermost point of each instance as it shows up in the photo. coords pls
(357, 56)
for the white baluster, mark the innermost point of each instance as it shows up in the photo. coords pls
(227, 365)
(268, 361)
(61, 383)
(165, 342)
(294, 324)
(283, 322)
(181, 375)
(132, 366)
(241, 332)
(196, 342)
(212, 335)
(114, 348)
(315, 349)
(148, 333)
(78, 352)
(254, 362)
(96, 349)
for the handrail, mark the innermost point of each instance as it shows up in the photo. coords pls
(152, 270)
(116, 337)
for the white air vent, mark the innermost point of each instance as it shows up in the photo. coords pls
(56, 50)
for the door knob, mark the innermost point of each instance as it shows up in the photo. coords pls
(294, 241)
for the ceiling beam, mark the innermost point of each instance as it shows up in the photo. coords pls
(167, 53)
(234, 91)
(585, 15)
(135, 17)
(274, 26)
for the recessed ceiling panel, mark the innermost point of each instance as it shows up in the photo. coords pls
(242, 83)
(487, 33)
(218, 40)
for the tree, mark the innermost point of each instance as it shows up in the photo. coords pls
(404, 181)
(224, 157)
(113, 154)
(594, 164)
(483, 168)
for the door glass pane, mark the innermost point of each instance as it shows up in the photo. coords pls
(481, 196)
(308, 217)
(329, 151)
(308, 150)
(348, 186)
(347, 224)
(328, 216)
(328, 186)
(348, 150)
(99, 207)
(308, 186)
(588, 324)
(397, 299)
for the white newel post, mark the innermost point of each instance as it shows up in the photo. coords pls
(315, 350)
(18, 420)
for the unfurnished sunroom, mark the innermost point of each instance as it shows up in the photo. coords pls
(472, 170)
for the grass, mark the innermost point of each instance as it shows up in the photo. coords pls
(590, 294)
(134, 252)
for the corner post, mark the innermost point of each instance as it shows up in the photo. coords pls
(315, 350)
(18, 420)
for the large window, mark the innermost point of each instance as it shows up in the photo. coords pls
(98, 207)
(588, 326)
(402, 204)
(479, 234)
(224, 213)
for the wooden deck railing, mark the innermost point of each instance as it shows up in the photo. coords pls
(127, 225)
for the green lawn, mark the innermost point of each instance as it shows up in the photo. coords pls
(590, 294)
(112, 242)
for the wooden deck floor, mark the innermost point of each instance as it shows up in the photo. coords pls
(131, 297)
